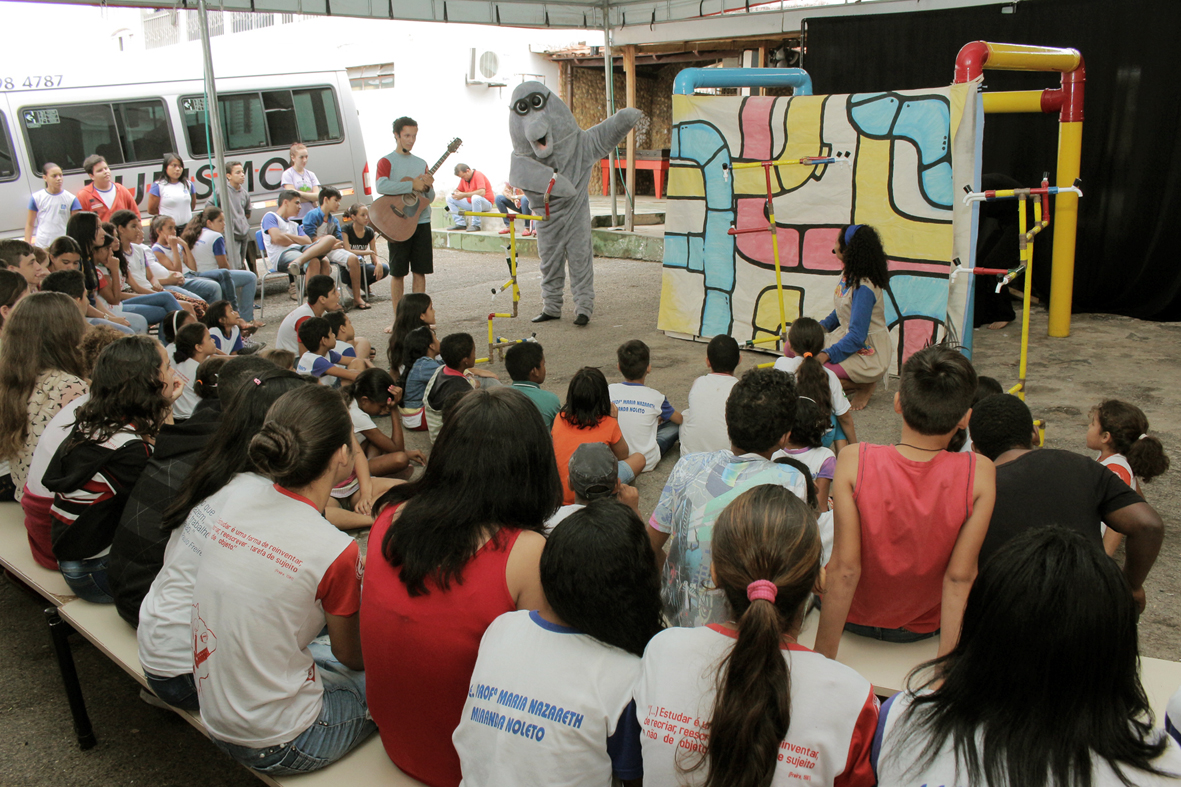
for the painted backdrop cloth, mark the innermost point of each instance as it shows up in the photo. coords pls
(547, 140)
(903, 159)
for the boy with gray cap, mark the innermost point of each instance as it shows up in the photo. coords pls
(594, 474)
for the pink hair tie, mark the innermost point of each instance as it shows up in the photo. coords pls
(257, 381)
(762, 589)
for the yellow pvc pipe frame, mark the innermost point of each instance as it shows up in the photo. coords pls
(1020, 57)
(493, 344)
(1026, 255)
(782, 335)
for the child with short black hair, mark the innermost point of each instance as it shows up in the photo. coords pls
(525, 364)
(18, 256)
(458, 351)
(985, 387)
(911, 517)
(704, 425)
(321, 297)
(804, 443)
(193, 345)
(580, 650)
(222, 321)
(647, 420)
(374, 395)
(322, 362)
(68, 282)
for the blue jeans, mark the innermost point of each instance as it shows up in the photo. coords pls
(887, 635)
(342, 725)
(231, 282)
(667, 434)
(626, 475)
(477, 204)
(131, 318)
(505, 205)
(187, 293)
(154, 308)
(207, 290)
(88, 579)
(179, 692)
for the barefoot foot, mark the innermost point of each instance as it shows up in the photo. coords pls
(996, 326)
(859, 394)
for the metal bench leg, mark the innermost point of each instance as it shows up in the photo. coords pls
(59, 632)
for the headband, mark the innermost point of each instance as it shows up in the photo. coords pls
(1141, 437)
(762, 589)
(809, 398)
(850, 232)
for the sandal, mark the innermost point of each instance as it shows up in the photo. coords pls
(256, 324)
(362, 306)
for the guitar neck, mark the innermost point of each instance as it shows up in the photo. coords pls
(439, 163)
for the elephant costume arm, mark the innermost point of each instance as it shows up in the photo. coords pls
(531, 175)
(600, 139)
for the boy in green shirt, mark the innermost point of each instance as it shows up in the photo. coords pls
(525, 364)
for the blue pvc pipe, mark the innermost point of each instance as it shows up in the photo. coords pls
(690, 79)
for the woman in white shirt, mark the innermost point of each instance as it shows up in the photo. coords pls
(742, 704)
(50, 208)
(1042, 688)
(172, 195)
(205, 236)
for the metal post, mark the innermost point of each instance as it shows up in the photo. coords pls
(213, 118)
(609, 74)
(629, 75)
(59, 631)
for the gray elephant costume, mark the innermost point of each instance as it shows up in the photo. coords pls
(548, 144)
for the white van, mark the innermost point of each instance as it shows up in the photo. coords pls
(64, 118)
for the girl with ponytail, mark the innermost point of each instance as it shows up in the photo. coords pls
(1119, 432)
(270, 697)
(817, 382)
(751, 704)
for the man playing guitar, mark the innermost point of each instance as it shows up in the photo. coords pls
(416, 254)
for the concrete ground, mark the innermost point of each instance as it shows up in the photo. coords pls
(1105, 356)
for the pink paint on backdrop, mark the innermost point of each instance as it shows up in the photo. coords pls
(818, 244)
(756, 128)
(757, 245)
(918, 334)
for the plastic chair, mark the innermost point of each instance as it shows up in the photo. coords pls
(271, 272)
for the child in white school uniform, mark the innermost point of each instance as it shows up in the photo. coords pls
(324, 362)
(569, 667)
(348, 345)
(814, 380)
(193, 345)
(704, 426)
(374, 395)
(648, 422)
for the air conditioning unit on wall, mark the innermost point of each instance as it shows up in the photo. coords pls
(484, 68)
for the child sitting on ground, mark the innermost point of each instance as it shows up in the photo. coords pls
(581, 650)
(589, 417)
(223, 323)
(704, 425)
(131, 395)
(1119, 432)
(193, 346)
(647, 420)
(171, 327)
(593, 474)
(419, 364)
(818, 382)
(823, 518)
(347, 344)
(985, 387)
(321, 297)
(458, 352)
(284, 359)
(323, 362)
(374, 395)
(525, 364)
(910, 518)
(414, 310)
(804, 444)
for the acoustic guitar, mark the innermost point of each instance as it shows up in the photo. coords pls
(395, 216)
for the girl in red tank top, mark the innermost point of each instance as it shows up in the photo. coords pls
(462, 550)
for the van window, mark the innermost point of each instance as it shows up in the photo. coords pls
(8, 168)
(122, 132)
(269, 118)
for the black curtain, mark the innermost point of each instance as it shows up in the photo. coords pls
(1131, 161)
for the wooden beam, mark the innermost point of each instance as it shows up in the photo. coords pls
(629, 75)
(761, 62)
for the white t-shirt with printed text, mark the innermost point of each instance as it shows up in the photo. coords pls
(53, 213)
(641, 410)
(526, 722)
(833, 712)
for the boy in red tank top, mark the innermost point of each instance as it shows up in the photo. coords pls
(910, 518)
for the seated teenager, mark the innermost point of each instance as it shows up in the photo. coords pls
(164, 634)
(94, 470)
(450, 553)
(1053, 487)
(1042, 688)
(270, 697)
(581, 652)
(910, 517)
(773, 709)
(137, 549)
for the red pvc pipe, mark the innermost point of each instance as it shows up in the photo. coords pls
(969, 64)
(1067, 100)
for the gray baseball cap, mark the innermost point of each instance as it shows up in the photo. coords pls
(593, 471)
